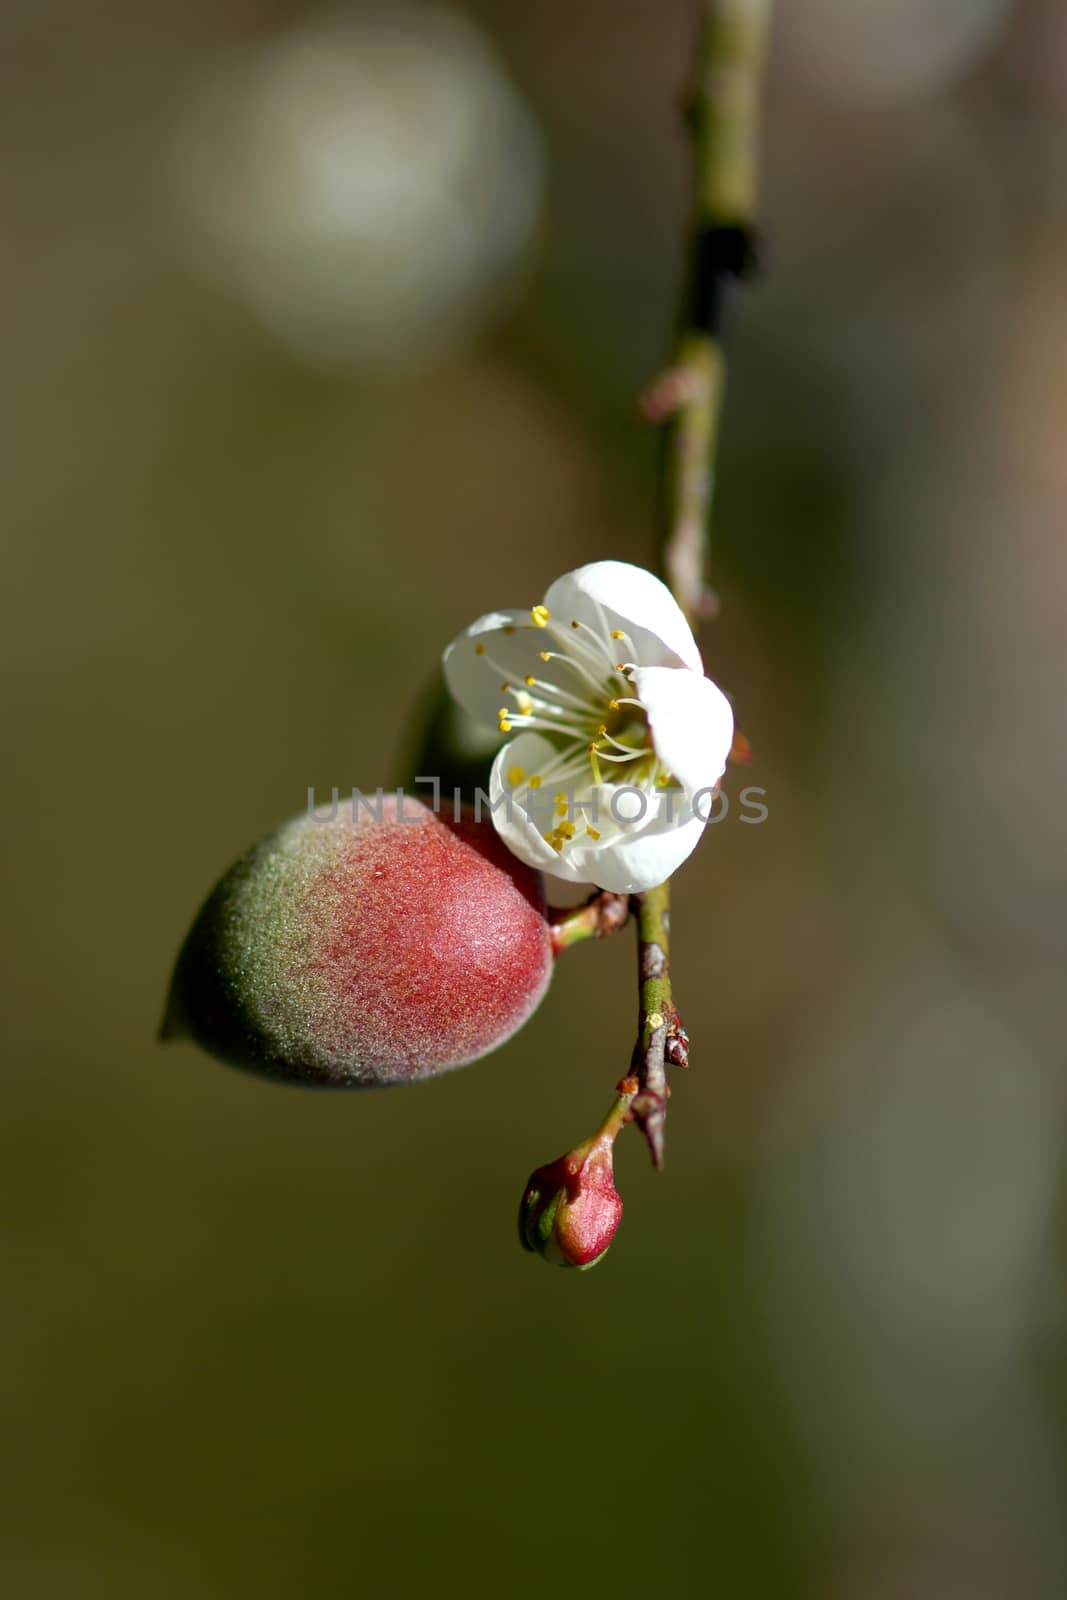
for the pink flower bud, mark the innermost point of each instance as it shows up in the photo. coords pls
(571, 1208)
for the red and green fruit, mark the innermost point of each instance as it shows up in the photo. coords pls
(364, 952)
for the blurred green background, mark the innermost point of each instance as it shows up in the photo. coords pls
(324, 333)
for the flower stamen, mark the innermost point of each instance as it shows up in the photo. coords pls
(592, 652)
(631, 755)
(583, 629)
(551, 690)
(580, 667)
(631, 750)
(530, 719)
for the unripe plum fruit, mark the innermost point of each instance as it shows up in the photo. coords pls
(361, 952)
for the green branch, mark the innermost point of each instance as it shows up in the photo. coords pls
(601, 915)
(724, 118)
(661, 1039)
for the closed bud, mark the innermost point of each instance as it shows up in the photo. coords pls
(571, 1209)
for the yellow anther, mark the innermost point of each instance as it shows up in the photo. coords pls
(506, 687)
(503, 726)
(613, 705)
(663, 780)
(524, 703)
(602, 730)
(561, 798)
(535, 782)
(575, 624)
(479, 649)
(561, 810)
(594, 833)
(515, 776)
(546, 655)
(617, 633)
(566, 829)
(541, 616)
(530, 680)
(503, 712)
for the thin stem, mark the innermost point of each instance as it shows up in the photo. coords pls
(723, 114)
(723, 118)
(604, 914)
(661, 1039)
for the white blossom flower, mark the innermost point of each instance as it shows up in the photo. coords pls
(620, 738)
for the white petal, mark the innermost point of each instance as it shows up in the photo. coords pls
(692, 724)
(511, 640)
(511, 818)
(639, 861)
(627, 858)
(614, 594)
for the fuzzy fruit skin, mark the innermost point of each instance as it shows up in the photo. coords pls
(363, 953)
